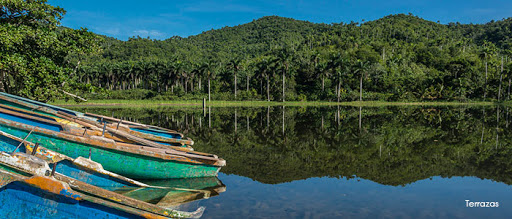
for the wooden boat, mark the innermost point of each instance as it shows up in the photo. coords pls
(22, 197)
(30, 179)
(149, 132)
(91, 172)
(129, 160)
(175, 191)
(70, 127)
(82, 169)
(47, 114)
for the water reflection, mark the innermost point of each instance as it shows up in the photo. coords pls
(176, 193)
(389, 145)
(422, 150)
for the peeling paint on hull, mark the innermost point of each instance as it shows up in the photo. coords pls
(40, 194)
(36, 172)
(18, 200)
(154, 133)
(123, 163)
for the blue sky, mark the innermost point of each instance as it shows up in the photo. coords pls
(162, 19)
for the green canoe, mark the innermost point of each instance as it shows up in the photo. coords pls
(132, 161)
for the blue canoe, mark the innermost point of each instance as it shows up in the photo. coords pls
(19, 199)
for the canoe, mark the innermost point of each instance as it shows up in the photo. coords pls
(80, 168)
(70, 127)
(141, 130)
(93, 173)
(133, 161)
(45, 113)
(20, 198)
(109, 133)
(24, 194)
(30, 166)
(82, 174)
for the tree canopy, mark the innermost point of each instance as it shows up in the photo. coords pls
(398, 57)
(36, 56)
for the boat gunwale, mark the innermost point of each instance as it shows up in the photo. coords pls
(67, 128)
(117, 147)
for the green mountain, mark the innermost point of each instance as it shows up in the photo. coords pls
(259, 36)
(397, 57)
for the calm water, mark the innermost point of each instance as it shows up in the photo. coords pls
(349, 162)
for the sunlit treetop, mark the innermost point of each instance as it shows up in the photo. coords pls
(36, 57)
(30, 12)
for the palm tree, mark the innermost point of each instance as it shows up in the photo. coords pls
(138, 71)
(210, 69)
(122, 77)
(319, 67)
(131, 74)
(202, 70)
(323, 69)
(107, 69)
(185, 74)
(192, 71)
(177, 69)
(235, 64)
(335, 66)
(362, 68)
(338, 74)
(168, 75)
(160, 71)
(247, 75)
(148, 73)
(284, 58)
(263, 68)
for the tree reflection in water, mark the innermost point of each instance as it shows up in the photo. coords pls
(387, 145)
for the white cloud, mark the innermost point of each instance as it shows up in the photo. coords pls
(151, 33)
(110, 30)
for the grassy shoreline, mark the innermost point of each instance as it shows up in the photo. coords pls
(198, 103)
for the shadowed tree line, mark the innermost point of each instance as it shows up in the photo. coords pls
(388, 145)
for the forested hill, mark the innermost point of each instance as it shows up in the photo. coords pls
(248, 41)
(397, 57)
(259, 36)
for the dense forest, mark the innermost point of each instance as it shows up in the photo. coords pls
(35, 53)
(397, 57)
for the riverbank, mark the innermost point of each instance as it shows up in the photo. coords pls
(198, 103)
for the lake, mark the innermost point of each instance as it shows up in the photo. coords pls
(349, 162)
